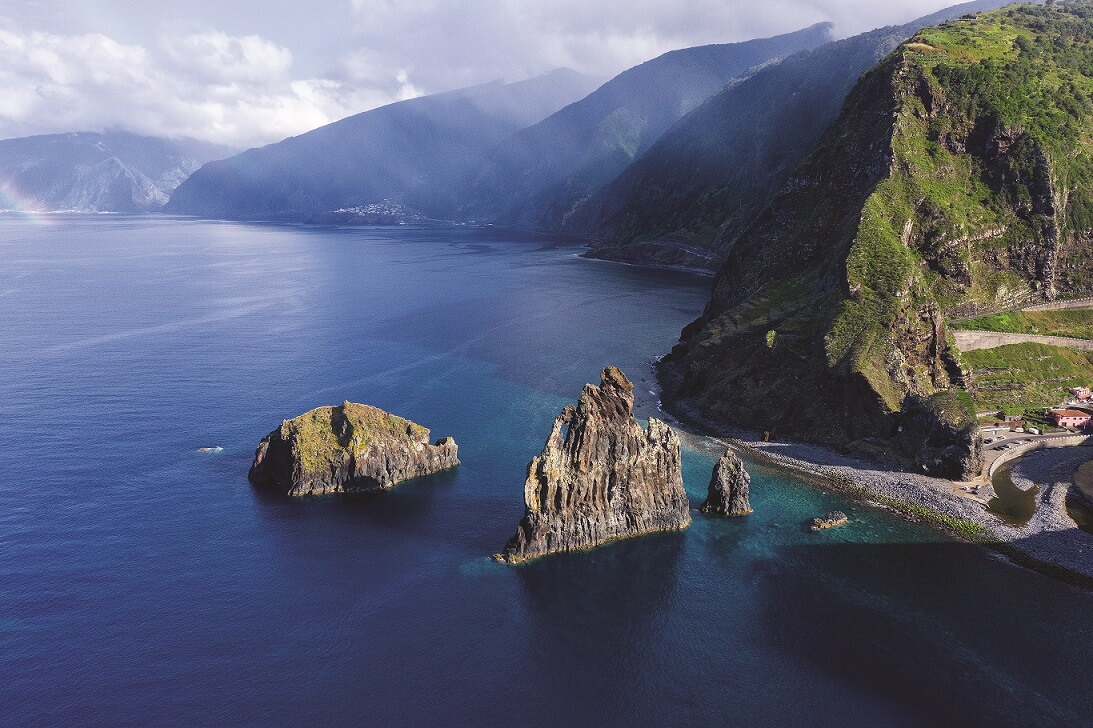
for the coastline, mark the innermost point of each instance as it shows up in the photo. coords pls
(1050, 542)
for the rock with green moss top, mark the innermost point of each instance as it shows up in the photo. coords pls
(600, 477)
(351, 448)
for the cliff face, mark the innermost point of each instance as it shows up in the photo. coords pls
(684, 201)
(600, 477)
(958, 177)
(729, 491)
(350, 448)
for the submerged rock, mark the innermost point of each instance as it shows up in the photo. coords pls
(351, 448)
(729, 488)
(831, 520)
(600, 477)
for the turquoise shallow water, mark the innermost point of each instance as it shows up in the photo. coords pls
(143, 583)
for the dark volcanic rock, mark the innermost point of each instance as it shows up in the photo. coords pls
(351, 448)
(728, 493)
(600, 477)
(940, 435)
(834, 519)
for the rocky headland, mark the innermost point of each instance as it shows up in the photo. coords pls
(350, 448)
(729, 488)
(600, 477)
(952, 183)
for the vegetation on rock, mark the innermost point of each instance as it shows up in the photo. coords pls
(348, 448)
(1072, 323)
(957, 177)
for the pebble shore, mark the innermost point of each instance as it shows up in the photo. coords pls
(1050, 540)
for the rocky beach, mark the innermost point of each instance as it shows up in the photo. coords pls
(1049, 541)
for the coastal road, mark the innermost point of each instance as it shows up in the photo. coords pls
(1061, 305)
(972, 340)
(1012, 439)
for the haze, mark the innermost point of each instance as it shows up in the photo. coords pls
(250, 73)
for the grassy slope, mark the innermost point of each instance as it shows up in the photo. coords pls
(1027, 375)
(930, 232)
(324, 433)
(1074, 323)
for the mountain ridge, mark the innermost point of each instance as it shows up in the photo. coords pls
(685, 200)
(534, 178)
(376, 155)
(114, 171)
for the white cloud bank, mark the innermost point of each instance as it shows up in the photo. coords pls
(172, 76)
(231, 90)
(457, 42)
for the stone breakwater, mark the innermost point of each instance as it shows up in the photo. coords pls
(351, 448)
(600, 477)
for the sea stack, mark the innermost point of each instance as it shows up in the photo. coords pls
(600, 477)
(351, 448)
(729, 488)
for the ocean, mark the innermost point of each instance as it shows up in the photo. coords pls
(143, 582)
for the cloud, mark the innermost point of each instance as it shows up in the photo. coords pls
(171, 69)
(232, 90)
(447, 43)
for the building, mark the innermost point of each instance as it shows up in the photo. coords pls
(1082, 394)
(1072, 418)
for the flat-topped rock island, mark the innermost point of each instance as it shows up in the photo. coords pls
(350, 448)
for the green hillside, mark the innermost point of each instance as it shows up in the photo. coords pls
(1027, 375)
(958, 177)
(1074, 323)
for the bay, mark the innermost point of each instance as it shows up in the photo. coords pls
(145, 583)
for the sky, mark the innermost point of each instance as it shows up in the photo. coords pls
(246, 73)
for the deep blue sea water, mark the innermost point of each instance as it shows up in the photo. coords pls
(144, 583)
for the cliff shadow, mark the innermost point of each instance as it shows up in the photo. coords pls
(948, 632)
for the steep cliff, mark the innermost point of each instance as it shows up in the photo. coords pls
(729, 491)
(957, 178)
(600, 477)
(350, 448)
(686, 199)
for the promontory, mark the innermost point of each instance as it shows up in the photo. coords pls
(600, 477)
(350, 448)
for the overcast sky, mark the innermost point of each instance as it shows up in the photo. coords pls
(244, 72)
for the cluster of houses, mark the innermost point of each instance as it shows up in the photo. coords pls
(1076, 415)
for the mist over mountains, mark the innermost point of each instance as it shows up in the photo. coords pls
(535, 178)
(665, 163)
(377, 155)
(90, 172)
